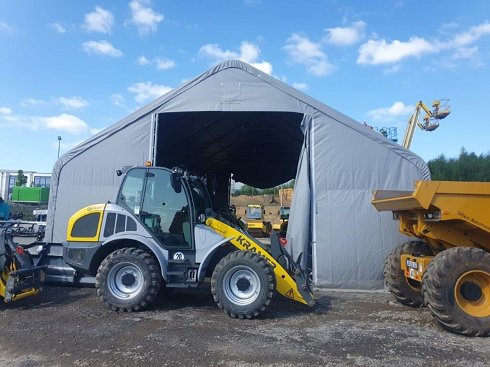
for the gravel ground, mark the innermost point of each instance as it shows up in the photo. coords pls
(69, 326)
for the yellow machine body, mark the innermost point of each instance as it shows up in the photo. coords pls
(444, 214)
(285, 284)
(414, 266)
(4, 279)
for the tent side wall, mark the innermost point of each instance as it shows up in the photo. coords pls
(89, 177)
(352, 238)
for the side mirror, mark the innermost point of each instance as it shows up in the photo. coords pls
(201, 218)
(176, 182)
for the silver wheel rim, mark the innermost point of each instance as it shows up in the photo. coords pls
(241, 285)
(125, 281)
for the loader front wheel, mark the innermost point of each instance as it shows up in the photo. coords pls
(243, 284)
(457, 290)
(128, 280)
(405, 290)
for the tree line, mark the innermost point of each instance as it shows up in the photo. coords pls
(466, 167)
(250, 190)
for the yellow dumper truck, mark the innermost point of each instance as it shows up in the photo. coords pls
(448, 267)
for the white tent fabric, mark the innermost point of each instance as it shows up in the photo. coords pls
(212, 124)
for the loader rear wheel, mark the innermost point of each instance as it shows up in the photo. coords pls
(243, 284)
(457, 290)
(405, 290)
(128, 280)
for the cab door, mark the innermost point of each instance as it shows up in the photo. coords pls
(161, 209)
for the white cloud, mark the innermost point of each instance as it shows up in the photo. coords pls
(142, 60)
(71, 102)
(145, 91)
(118, 100)
(375, 52)
(263, 66)
(213, 51)
(33, 102)
(465, 52)
(5, 111)
(100, 20)
(305, 52)
(386, 114)
(249, 53)
(58, 27)
(164, 63)
(300, 86)
(66, 102)
(5, 28)
(343, 36)
(161, 63)
(65, 122)
(143, 17)
(472, 35)
(101, 48)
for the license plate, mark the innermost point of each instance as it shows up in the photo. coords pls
(412, 264)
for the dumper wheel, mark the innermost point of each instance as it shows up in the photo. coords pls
(457, 290)
(128, 280)
(243, 284)
(405, 290)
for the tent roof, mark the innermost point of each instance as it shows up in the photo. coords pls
(277, 151)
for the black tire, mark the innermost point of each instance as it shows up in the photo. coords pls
(128, 280)
(447, 286)
(406, 291)
(243, 284)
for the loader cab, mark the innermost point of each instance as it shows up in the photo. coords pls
(167, 202)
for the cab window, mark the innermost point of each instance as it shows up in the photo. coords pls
(164, 211)
(131, 190)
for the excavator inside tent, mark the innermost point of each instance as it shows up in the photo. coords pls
(260, 149)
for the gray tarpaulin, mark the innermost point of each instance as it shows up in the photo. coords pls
(234, 119)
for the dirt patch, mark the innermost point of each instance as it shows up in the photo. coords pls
(69, 326)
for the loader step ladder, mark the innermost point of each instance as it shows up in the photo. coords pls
(181, 271)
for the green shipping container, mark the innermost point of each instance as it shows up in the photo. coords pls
(37, 195)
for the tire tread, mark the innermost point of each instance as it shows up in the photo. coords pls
(263, 265)
(434, 290)
(154, 282)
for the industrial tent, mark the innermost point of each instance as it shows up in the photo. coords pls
(235, 119)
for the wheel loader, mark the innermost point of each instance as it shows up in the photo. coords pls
(447, 267)
(163, 232)
(20, 277)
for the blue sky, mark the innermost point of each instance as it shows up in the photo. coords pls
(72, 68)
